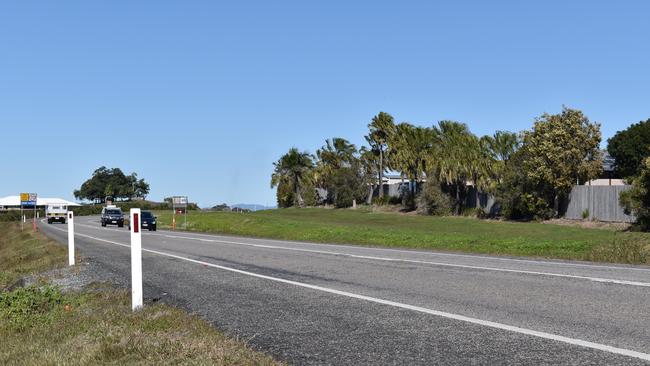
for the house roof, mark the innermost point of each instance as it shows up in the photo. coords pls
(15, 201)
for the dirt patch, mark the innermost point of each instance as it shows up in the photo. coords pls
(589, 224)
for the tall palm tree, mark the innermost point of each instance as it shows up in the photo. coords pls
(410, 150)
(458, 154)
(337, 153)
(381, 130)
(369, 159)
(295, 167)
(503, 144)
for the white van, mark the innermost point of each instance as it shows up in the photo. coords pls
(56, 213)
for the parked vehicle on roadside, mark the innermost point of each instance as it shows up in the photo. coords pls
(112, 215)
(56, 213)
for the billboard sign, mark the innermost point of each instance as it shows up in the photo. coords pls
(179, 201)
(28, 199)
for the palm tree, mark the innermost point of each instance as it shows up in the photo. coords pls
(502, 144)
(498, 149)
(295, 167)
(337, 153)
(369, 159)
(411, 149)
(458, 159)
(381, 129)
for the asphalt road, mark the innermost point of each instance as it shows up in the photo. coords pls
(317, 304)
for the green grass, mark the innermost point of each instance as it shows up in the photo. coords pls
(97, 327)
(461, 234)
(25, 252)
(40, 325)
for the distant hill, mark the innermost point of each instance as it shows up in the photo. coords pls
(253, 206)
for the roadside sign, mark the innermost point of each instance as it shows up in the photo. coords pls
(179, 205)
(179, 201)
(28, 199)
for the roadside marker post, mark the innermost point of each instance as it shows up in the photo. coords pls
(136, 260)
(70, 238)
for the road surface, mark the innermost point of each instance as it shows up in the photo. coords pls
(319, 304)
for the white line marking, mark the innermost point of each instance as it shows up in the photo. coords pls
(431, 252)
(486, 323)
(439, 264)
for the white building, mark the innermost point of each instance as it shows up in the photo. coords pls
(13, 202)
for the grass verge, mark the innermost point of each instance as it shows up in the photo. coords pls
(462, 234)
(25, 252)
(41, 325)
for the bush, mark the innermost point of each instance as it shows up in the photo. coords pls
(432, 200)
(14, 215)
(348, 184)
(637, 199)
(520, 198)
(380, 201)
(28, 306)
(585, 214)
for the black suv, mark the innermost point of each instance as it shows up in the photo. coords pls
(112, 216)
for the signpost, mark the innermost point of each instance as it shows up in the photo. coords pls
(179, 202)
(136, 260)
(28, 200)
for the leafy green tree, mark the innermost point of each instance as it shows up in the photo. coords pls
(381, 130)
(114, 183)
(348, 185)
(630, 147)
(139, 188)
(562, 150)
(297, 168)
(637, 199)
(519, 197)
(432, 200)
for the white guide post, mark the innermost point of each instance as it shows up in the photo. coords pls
(136, 259)
(70, 238)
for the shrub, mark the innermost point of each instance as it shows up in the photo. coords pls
(519, 197)
(637, 199)
(381, 201)
(347, 185)
(585, 214)
(28, 306)
(432, 200)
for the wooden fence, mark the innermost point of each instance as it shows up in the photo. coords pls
(600, 202)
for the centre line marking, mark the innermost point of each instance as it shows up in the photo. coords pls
(402, 260)
(486, 323)
(472, 256)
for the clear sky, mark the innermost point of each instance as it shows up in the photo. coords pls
(200, 97)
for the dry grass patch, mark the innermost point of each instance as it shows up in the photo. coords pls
(97, 326)
(41, 325)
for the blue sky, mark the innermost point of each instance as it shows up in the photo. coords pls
(200, 97)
